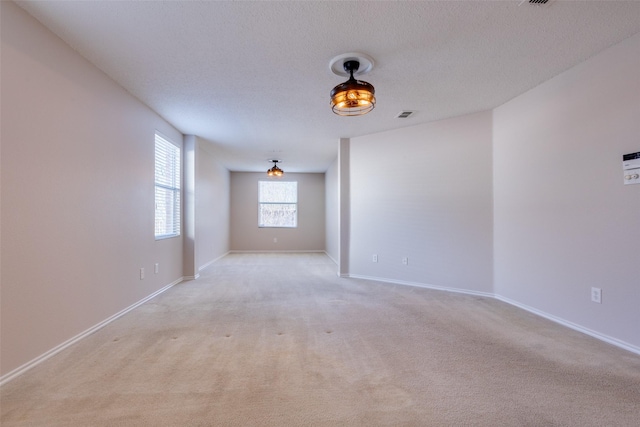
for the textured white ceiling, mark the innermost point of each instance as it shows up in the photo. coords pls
(253, 78)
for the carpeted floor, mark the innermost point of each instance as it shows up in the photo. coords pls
(279, 340)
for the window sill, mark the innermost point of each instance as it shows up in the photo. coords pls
(167, 236)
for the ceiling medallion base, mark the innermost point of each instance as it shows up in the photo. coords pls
(353, 97)
(336, 65)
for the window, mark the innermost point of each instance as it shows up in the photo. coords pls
(167, 188)
(278, 204)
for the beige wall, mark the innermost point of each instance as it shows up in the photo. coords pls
(550, 162)
(332, 215)
(564, 222)
(77, 173)
(247, 236)
(212, 206)
(424, 193)
(77, 198)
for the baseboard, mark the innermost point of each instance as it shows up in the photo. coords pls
(335, 262)
(256, 252)
(420, 285)
(24, 368)
(278, 252)
(202, 267)
(185, 278)
(602, 337)
(331, 258)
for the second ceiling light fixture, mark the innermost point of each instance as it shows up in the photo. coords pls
(275, 170)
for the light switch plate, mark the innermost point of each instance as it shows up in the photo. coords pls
(631, 168)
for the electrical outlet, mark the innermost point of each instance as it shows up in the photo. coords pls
(405, 261)
(375, 258)
(156, 268)
(275, 240)
(596, 295)
(142, 273)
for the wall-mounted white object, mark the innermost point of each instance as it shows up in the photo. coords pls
(631, 168)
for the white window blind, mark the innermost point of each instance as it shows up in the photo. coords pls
(167, 188)
(278, 204)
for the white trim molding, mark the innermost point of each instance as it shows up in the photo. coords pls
(563, 322)
(602, 337)
(421, 285)
(202, 267)
(320, 251)
(57, 349)
(330, 257)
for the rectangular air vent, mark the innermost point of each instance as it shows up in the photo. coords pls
(536, 2)
(404, 114)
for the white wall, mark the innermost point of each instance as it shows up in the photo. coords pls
(212, 206)
(308, 236)
(332, 212)
(564, 222)
(77, 214)
(424, 192)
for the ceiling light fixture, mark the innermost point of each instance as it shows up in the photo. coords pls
(275, 170)
(353, 97)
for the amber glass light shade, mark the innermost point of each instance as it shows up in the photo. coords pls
(353, 97)
(275, 170)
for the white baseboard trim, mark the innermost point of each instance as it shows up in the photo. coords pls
(185, 278)
(279, 252)
(202, 267)
(334, 261)
(602, 337)
(420, 285)
(57, 349)
(330, 257)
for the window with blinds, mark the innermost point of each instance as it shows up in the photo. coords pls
(278, 204)
(167, 188)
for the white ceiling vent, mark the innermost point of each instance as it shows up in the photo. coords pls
(536, 2)
(404, 114)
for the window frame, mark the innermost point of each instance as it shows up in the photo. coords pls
(171, 186)
(260, 204)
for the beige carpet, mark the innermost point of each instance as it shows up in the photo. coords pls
(279, 340)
